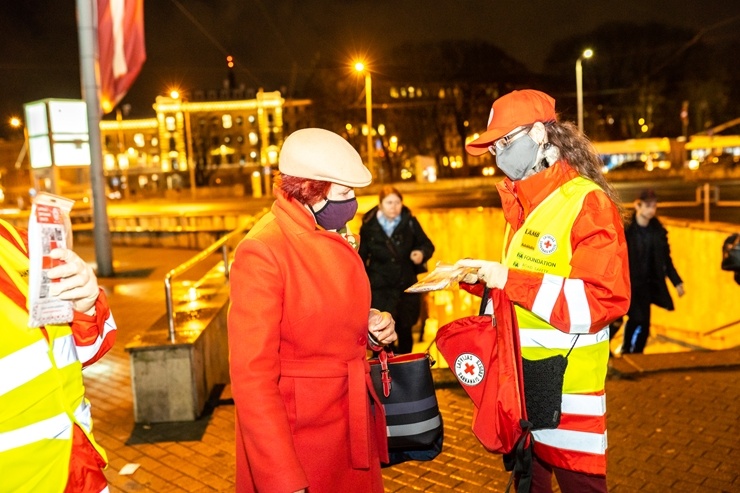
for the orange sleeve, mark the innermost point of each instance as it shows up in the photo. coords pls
(94, 335)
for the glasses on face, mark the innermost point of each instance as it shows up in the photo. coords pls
(504, 142)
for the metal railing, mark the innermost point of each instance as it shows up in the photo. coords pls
(705, 196)
(223, 244)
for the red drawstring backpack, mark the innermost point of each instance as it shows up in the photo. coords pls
(484, 354)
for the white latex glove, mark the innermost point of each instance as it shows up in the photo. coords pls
(493, 274)
(382, 326)
(77, 281)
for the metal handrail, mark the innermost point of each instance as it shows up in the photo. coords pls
(221, 243)
(722, 327)
(705, 195)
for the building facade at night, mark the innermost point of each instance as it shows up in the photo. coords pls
(200, 142)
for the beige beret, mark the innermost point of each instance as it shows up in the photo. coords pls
(322, 155)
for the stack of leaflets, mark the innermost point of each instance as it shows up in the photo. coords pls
(441, 277)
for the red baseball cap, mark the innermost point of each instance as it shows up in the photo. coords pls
(510, 111)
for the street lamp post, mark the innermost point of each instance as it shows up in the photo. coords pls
(579, 85)
(360, 67)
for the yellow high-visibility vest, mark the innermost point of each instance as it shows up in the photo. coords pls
(542, 244)
(42, 395)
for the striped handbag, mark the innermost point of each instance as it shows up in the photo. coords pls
(405, 387)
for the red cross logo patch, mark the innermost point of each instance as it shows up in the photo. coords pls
(547, 244)
(469, 369)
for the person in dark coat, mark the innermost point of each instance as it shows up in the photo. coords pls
(395, 249)
(650, 263)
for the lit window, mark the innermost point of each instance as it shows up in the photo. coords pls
(109, 161)
(226, 121)
(169, 123)
(139, 140)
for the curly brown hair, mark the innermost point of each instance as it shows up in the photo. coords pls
(581, 155)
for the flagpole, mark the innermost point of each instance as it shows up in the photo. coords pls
(87, 34)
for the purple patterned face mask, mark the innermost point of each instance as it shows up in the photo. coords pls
(335, 214)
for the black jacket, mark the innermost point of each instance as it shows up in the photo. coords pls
(659, 265)
(388, 260)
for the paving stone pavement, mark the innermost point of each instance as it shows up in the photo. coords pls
(672, 418)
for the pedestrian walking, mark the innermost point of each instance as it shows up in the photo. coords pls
(650, 263)
(565, 268)
(395, 248)
(46, 440)
(300, 325)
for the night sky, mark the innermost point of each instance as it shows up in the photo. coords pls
(276, 41)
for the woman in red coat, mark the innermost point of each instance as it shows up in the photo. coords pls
(298, 326)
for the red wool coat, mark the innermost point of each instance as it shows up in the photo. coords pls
(297, 339)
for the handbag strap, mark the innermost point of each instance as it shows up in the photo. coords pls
(385, 373)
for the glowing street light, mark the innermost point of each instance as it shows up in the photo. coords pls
(579, 85)
(361, 68)
(15, 122)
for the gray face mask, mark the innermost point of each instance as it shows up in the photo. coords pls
(518, 157)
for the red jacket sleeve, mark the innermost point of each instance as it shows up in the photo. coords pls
(597, 291)
(94, 335)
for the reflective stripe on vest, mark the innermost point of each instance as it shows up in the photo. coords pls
(542, 244)
(23, 366)
(57, 427)
(579, 441)
(560, 340)
(585, 405)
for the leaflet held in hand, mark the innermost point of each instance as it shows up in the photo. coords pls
(441, 277)
(49, 227)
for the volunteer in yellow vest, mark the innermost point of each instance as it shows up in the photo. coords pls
(46, 442)
(565, 268)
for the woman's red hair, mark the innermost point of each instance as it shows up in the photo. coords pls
(304, 190)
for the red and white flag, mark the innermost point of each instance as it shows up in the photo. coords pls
(121, 52)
